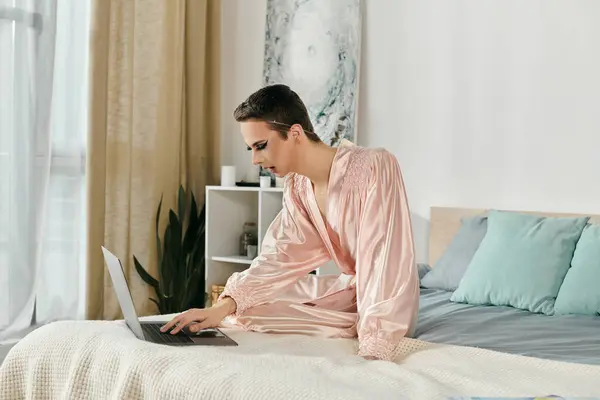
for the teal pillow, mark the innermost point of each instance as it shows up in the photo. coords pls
(580, 291)
(521, 262)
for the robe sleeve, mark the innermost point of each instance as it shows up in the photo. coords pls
(291, 248)
(386, 274)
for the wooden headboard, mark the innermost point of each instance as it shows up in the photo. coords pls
(445, 221)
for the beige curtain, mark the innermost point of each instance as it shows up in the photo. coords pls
(154, 112)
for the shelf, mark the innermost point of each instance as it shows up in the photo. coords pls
(271, 189)
(233, 259)
(228, 208)
(245, 189)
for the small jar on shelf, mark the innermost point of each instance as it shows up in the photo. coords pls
(248, 238)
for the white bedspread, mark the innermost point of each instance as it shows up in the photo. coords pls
(102, 360)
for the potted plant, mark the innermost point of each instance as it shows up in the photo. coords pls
(181, 258)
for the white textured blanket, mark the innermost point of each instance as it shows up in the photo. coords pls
(104, 360)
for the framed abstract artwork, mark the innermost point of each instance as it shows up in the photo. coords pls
(313, 46)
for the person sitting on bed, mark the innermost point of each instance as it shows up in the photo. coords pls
(347, 204)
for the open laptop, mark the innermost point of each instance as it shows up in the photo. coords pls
(150, 331)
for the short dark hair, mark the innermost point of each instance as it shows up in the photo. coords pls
(280, 107)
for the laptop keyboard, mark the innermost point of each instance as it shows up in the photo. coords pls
(153, 334)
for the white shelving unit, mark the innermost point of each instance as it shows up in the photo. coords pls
(227, 209)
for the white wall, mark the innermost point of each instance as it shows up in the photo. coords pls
(486, 104)
(243, 37)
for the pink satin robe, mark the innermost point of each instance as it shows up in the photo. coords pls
(368, 235)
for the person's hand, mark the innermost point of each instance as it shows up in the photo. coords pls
(201, 318)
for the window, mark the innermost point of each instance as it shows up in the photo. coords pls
(43, 128)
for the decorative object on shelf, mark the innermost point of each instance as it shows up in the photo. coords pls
(265, 181)
(266, 173)
(247, 184)
(181, 258)
(227, 175)
(215, 292)
(314, 47)
(279, 182)
(252, 251)
(248, 237)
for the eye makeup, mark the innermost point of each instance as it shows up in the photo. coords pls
(258, 146)
(261, 146)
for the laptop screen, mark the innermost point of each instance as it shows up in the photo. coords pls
(123, 294)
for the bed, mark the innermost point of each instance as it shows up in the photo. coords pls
(574, 339)
(458, 350)
(570, 338)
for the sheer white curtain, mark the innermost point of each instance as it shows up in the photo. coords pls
(43, 125)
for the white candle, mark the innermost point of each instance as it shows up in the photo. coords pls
(228, 175)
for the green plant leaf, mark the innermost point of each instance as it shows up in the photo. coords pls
(172, 300)
(175, 254)
(192, 228)
(166, 265)
(157, 305)
(195, 232)
(146, 277)
(195, 285)
(191, 257)
(181, 256)
(159, 249)
(181, 204)
(196, 266)
(191, 288)
(158, 245)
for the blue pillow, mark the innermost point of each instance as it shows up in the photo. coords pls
(521, 261)
(423, 269)
(451, 266)
(580, 291)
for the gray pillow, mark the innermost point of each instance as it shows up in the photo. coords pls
(423, 270)
(452, 265)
